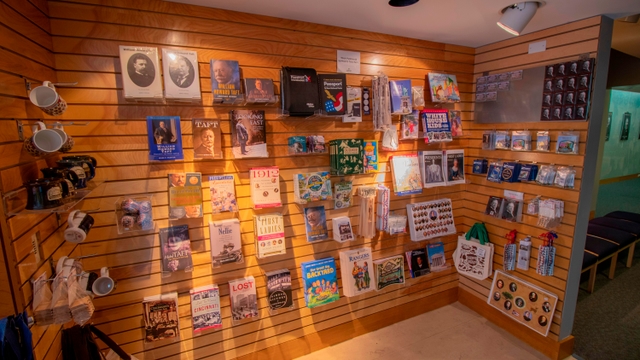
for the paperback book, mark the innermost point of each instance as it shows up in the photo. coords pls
(311, 187)
(205, 308)
(389, 271)
(431, 168)
(410, 126)
(356, 268)
(342, 194)
(417, 260)
(175, 246)
(346, 156)
(185, 195)
(437, 261)
(248, 134)
(400, 92)
(181, 75)
(455, 166)
(165, 138)
(405, 171)
(226, 245)
(225, 81)
(223, 194)
(161, 320)
(243, 298)
(259, 90)
(332, 89)
(354, 105)
(320, 282)
(269, 230)
(371, 156)
(342, 230)
(207, 139)
(456, 123)
(315, 220)
(435, 123)
(444, 88)
(140, 73)
(279, 294)
(265, 187)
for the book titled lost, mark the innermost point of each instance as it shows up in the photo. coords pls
(175, 247)
(279, 289)
(269, 231)
(205, 308)
(243, 298)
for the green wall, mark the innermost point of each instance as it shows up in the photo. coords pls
(622, 158)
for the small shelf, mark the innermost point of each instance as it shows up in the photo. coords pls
(14, 202)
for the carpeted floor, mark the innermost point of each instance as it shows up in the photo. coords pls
(607, 322)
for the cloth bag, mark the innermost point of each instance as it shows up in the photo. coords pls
(474, 254)
(78, 344)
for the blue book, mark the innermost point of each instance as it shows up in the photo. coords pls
(165, 138)
(320, 282)
(315, 221)
(400, 91)
(435, 252)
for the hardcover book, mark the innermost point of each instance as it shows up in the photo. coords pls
(279, 294)
(226, 245)
(444, 88)
(356, 267)
(259, 90)
(418, 260)
(389, 271)
(207, 139)
(437, 261)
(342, 230)
(431, 168)
(332, 89)
(455, 166)
(315, 220)
(181, 74)
(400, 92)
(185, 195)
(435, 123)
(311, 187)
(223, 194)
(269, 231)
(165, 138)
(225, 81)
(140, 73)
(410, 126)
(320, 282)
(405, 172)
(161, 320)
(243, 298)
(248, 134)
(354, 105)
(175, 247)
(347, 156)
(342, 194)
(205, 308)
(371, 156)
(265, 187)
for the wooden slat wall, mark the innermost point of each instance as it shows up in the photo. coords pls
(83, 37)
(564, 43)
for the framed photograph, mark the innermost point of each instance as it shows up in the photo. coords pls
(140, 73)
(546, 113)
(181, 75)
(626, 124)
(558, 99)
(586, 66)
(546, 99)
(548, 85)
(556, 113)
(584, 82)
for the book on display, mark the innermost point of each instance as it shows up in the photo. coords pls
(279, 295)
(205, 308)
(161, 320)
(389, 271)
(310, 187)
(320, 279)
(185, 195)
(356, 268)
(223, 194)
(269, 231)
(405, 171)
(243, 298)
(226, 245)
(265, 187)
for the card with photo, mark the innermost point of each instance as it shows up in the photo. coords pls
(572, 83)
(492, 78)
(573, 67)
(548, 85)
(586, 66)
(140, 72)
(561, 69)
(510, 210)
(546, 113)
(181, 76)
(584, 82)
(546, 99)
(491, 96)
(259, 90)
(492, 87)
(556, 113)
(559, 84)
(570, 98)
(494, 206)
(480, 97)
(582, 97)
(581, 112)
(549, 72)
(558, 99)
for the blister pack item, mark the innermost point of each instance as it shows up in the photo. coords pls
(489, 140)
(494, 173)
(565, 177)
(543, 141)
(550, 213)
(502, 140)
(418, 95)
(521, 141)
(546, 175)
(480, 166)
(510, 171)
(533, 206)
(568, 143)
(528, 172)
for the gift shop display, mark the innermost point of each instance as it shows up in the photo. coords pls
(207, 139)
(347, 156)
(405, 171)
(353, 113)
(400, 93)
(435, 254)
(444, 88)
(430, 219)
(311, 187)
(389, 271)
(418, 263)
(436, 125)
(225, 81)
(299, 91)
(141, 73)
(269, 232)
(134, 214)
(259, 91)
(474, 254)
(342, 194)
(356, 267)
(410, 126)
(181, 75)
(332, 89)
(342, 230)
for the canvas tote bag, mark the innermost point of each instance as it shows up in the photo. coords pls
(474, 254)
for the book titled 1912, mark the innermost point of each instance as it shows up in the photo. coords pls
(265, 187)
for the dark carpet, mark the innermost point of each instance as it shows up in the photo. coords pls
(607, 322)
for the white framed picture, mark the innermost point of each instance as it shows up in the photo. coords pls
(181, 75)
(140, 73)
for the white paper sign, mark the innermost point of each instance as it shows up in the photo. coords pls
(348, 62)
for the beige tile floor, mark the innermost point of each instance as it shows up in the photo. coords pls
(450, 332)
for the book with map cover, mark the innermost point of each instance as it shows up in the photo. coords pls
(405, 172)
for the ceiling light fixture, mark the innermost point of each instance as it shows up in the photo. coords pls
(402, 3)
(515, 17)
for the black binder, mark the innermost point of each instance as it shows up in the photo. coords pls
(299, 91)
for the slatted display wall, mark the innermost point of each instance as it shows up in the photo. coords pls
(564, 43)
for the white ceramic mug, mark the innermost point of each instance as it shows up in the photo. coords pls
(67, 140)
(47, 98)
(104, 284)
(43, 141)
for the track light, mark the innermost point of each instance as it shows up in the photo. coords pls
(517, 16)
(402, 3)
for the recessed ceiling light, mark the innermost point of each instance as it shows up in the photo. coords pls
(515, 17)
(402, 3)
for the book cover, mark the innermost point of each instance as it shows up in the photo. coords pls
(354, 105)
(315, 220)
(400, 92)
(410, 126)
(259, 90)
(494, 206)
(320, 282)
(310, 187)
(456, 123)
(223, 194)
(175, 246)
(140, 73)
(435, 123)
(243, 298)
(297, 145)
(207, 139)
(437, 261)
(279, 294)
(185, 195)
(299, 91)
(205, 308)
(357, 271)
(419, 263)
(226, 245)
(389, 271)
(432, 169)
(444, 88)
(347, 156)
(248, 134)
(342, 230)
(371, 156)
(181, 74)
(342, 194)
(455, 166)
(269, 231)
(405, 172)
(161, 319)
(332, 89)
(225, 81)
(265, 187)
(165, 138)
